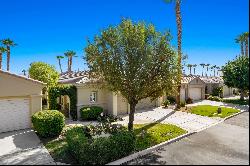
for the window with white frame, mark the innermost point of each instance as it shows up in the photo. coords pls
(93, 97)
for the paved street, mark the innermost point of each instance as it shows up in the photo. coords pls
(225, 143)
(23, 147)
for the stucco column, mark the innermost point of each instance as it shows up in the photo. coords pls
(115, 104)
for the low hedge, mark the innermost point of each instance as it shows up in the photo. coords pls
(215, 98)
(101, 150)
(48, 123)
(90, 113)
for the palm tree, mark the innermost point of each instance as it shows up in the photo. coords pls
(179, 40)
(2, 50)
(190, 68)
(194, 68)
(59, 57)
(213, 68)
(24, 72)
(240, 39)
(70, 54)
(207, 65)
(218, 69)
(245, 38)
(202, 65)
(8, 43)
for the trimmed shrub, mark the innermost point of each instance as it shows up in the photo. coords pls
(99, 151)
(48, 123)
(182, 103)
(189, 101)
(166, 103)
(171, 99)
(90, 113)
(214, 98)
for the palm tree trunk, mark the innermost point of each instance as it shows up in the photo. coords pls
(194, 71)
(242, 48)
(246, 48)
(190, 70)
(1, 59)
(8, 58)
(68, 64)
(179, 36)
(60, 65)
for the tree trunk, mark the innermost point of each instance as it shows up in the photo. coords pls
(60, 65)
(179, 37)
(68, 64)
(242, 48)
(241, 95)
(1, 59)
(246, 48)
(131, 116)
(8, 58)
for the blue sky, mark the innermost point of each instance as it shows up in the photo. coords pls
(44, 29)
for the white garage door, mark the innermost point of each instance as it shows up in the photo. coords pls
(145, 104)
(14, 114)
(195, 93)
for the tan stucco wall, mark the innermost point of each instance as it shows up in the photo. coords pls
(15, 87)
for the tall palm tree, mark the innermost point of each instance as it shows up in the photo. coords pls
(2, 50)
(70, 54)
(194, 68)
(213, 68)
(24, 72)
(202, 65)
(218, 69)
(240, 39)
(8, 43)
(190, 68)
(59, 57)
(207, 65)
(246, 38)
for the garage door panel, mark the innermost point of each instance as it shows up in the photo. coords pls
(14, 114)
(195, 93)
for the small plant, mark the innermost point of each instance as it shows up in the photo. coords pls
(214, 98)
(166, 103)
(189, 101)
(183, 104)
(48, 123)
(91, 113)
(171, 99)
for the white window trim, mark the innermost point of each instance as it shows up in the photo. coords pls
(93, 92)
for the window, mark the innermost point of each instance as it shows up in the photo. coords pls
(93, 97)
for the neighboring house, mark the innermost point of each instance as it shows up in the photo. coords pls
(88, 94)
(20, 97)
(192, 87)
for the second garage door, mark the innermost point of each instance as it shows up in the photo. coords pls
(14, 114)
(145, 104)
(195, 93)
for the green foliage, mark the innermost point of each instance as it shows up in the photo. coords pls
(237, 101)
(57, 91)
(133, 59)
(211, 111)
(236, 73)
(183, 104)
(44, 72)
(171, 99)
(214, 98)
(189, 101)
(91, 113)
(48, 123)
(166, 103)
(218, 91)
(109, 118)
(99, 150)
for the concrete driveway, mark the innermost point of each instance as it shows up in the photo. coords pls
(224, 144)
(23, 147)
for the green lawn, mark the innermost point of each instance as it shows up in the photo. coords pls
(237, 101)
(211, 111)
(147, 135)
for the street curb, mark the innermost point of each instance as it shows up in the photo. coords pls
(234, 115)
(148, 150)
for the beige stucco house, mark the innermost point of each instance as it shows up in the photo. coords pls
(89, 95)
(20, 97)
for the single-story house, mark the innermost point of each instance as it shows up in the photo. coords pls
(89, 95)
(20, 97)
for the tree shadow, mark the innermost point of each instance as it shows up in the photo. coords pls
(149, 159)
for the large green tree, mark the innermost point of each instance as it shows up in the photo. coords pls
(44, 72)
(135, 60)
(236, 74)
